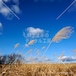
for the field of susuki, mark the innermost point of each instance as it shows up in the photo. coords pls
(38, 70)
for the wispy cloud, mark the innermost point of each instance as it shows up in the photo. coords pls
(47, 59)
(16, 9)
(67, 58)
(43, 47)
(47, 0)
(41, 0)
(26, 45)
(1, 26)
(11, 11)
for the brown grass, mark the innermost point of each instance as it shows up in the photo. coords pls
(38, 70)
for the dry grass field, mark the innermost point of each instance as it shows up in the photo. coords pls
(38, 70)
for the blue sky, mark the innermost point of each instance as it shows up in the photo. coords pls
(38, 14)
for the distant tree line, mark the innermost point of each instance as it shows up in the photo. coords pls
(11, 59)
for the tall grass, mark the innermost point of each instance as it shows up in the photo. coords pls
(38, 70)
(64, 33)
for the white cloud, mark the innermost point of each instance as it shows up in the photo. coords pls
(67, 58)
(33, 32)
(7, 11)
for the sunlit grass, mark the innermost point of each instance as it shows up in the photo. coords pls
(37, 70)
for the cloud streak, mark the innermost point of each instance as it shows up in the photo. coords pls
(66, 10)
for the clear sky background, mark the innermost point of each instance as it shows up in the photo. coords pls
(39, 14)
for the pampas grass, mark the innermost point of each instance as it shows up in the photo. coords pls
(41, 69)
(64, 33)
(31, 42)
(15, 46)
(38, 70)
